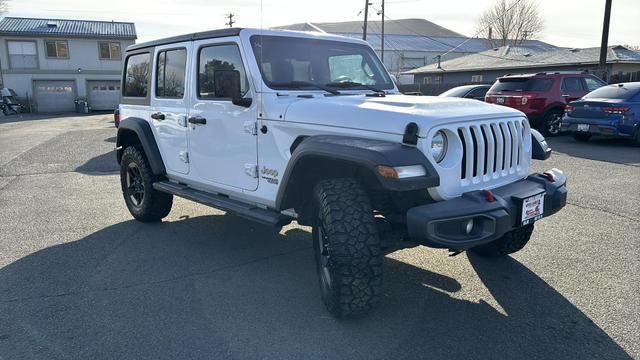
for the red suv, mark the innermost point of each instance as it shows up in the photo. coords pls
(542, 96)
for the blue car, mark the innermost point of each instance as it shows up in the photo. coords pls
(612, 110)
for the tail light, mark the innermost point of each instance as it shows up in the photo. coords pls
(615, 109)
(568, 108)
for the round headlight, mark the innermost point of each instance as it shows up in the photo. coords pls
(439, 146)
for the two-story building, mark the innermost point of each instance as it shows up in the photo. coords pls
(50, 63)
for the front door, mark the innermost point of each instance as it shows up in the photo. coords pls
(169, 105)
(222, 137)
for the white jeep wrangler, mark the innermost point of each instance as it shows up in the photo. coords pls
(277, 126)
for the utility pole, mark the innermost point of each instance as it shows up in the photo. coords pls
(605, 41)
(382, 37)
(366, 14)
(231, 22)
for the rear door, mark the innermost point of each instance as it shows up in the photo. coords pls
(222, 136)
(169, 105)
(572, 88)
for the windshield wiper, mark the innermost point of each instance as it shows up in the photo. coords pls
(353, 84)
(302, 84)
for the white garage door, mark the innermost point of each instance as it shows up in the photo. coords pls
(104, 94)
(54, 95)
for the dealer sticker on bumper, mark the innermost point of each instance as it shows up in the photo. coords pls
(532, 209)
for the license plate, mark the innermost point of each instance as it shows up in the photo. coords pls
(500, 100)
(583, 127)
(532, 209)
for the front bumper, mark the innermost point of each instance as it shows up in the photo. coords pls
(440, 224)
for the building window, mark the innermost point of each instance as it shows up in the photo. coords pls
(476, 78)
(437, 79)
(136, 81)
(57, 49)
(427, 80)
(109, 50)
(170, 75)
(22, 54)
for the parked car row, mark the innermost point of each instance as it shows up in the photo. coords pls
(573, 102)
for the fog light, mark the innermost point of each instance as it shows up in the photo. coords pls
(468, 228)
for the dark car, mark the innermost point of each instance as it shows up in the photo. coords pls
(612, 110)
(468, 91)
(542, 96)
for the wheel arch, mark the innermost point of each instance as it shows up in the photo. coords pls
(137, 132)
(328, 156)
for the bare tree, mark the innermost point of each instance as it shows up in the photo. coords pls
(510, 22)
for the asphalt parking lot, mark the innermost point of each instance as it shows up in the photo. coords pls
(80, 279)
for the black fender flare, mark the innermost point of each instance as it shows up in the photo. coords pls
(359, 155)
(142, 131)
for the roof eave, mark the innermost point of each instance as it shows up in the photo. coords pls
(445, 70)
(78, 36)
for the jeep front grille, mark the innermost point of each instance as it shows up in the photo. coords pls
(491, 150)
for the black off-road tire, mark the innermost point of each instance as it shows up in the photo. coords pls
(153, 205)
(347, 248)
(509, 243)
(551, 123)
(582, 136)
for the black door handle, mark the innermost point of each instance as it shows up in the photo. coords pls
(157, 116)
(197, 120)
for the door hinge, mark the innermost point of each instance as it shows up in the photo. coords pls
(251, 127)
(184, 156)
(251, 170)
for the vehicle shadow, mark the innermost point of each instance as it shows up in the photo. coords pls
(613, 150)
(223, 287)
(103, 164)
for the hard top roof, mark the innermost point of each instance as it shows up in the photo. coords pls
(220, 33)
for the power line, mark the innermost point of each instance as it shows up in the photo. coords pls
(515, 3)
(457, 46)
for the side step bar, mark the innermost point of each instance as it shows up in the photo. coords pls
(251, 212)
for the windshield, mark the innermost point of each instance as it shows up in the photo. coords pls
(288, 63)
(613, 92)
(521, 84)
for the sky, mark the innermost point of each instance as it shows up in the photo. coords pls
(569, 23)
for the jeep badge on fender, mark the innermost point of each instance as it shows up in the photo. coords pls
(345, 152)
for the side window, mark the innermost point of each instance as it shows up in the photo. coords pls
(593, 84)
(540, 85)
(572, 84)
(350, 68)
(218, 57)
(170, 73)
(136, 81)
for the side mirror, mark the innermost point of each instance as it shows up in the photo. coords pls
(228, 85)
(540, 150)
